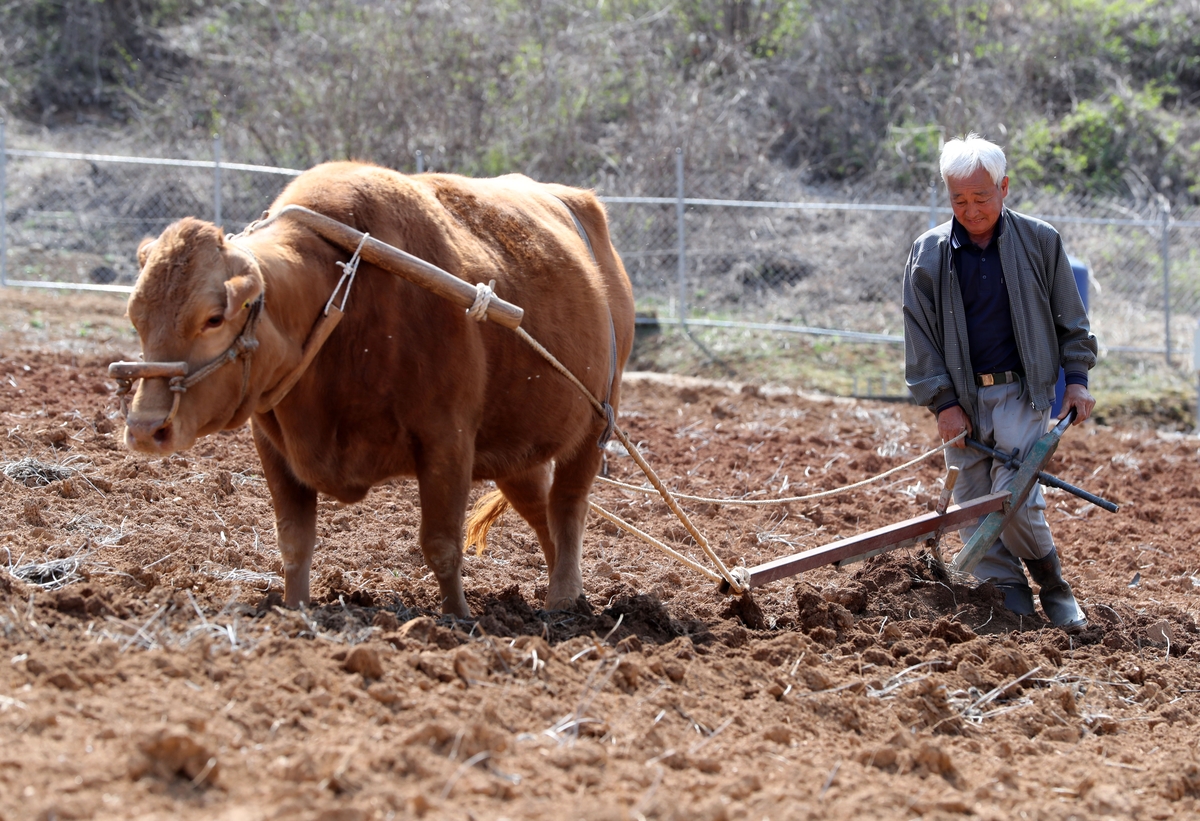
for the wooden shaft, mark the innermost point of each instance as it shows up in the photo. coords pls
(903, 534)
(147, 370)
(948, 488)
(401, 263)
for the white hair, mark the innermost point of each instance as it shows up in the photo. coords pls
(963, 157)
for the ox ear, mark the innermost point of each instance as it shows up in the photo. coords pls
(143, 251)
(239, 293)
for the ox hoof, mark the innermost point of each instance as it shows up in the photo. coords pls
(268, 603)
(459, 610)
(579, 604)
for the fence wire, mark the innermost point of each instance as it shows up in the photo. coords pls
(785, 261)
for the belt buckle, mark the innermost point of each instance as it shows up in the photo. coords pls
(986, 380)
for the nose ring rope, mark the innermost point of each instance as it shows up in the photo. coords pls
(176, 373)
(126, 373)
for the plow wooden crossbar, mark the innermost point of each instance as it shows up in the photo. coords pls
(881, 540)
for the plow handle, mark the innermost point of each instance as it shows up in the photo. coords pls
(1098, 501)
(1047, 479)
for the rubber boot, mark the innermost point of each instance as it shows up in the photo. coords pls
(1018, 597)
(1057, 599)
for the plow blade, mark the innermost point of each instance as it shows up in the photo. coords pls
(1020, 487)
(892, 537)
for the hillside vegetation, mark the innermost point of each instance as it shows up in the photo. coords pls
(1087, 95)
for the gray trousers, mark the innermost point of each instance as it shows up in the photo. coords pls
(1006, 420)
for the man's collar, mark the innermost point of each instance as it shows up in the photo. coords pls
(958, 234)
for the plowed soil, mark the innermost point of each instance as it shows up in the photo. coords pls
(149, 672)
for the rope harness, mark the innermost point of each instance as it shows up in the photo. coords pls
(785, 500)
(349, 271)
(176, 373)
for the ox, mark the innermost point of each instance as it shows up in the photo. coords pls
(407, 384)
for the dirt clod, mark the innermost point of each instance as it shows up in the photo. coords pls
(365, 661)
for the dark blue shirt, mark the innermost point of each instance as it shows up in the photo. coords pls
(985, 297)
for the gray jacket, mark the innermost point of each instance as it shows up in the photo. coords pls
(1049, 321)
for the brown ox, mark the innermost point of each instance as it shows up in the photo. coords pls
(407, 384)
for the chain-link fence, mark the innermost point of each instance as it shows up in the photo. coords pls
(792, 264)
(75, 220)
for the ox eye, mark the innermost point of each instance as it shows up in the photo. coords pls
(214, 321)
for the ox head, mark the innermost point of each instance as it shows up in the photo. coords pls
(194, 307)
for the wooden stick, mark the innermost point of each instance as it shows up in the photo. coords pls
(147, 370)
(884, 539)
(948, 488)
(401, 263)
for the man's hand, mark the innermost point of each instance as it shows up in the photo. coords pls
(953, 421)
(1075, 396)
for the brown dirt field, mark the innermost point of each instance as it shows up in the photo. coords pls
(148, 671)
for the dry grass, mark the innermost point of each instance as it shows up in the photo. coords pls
(54, 574)
(227, 629)
(32, 472)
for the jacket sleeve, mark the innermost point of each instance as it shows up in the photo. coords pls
(1077, 346)
(924, 362)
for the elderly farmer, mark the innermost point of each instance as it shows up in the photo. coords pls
(991, 311)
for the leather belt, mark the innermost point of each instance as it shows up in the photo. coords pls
(986, 380)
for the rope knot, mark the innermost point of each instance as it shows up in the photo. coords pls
(610, 422)
(349, 269)
(483, 298)
(741, 578)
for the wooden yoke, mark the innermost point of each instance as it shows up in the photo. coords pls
(401, 263)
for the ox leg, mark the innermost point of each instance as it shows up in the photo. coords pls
(567, 510)
(443, 485)
(529, 494)
(295, 507)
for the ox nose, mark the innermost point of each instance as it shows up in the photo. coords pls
(149, 433)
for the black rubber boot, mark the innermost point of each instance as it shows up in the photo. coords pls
(1018, 597)
(1057, 599)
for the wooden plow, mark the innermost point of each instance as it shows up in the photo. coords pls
(995, 510)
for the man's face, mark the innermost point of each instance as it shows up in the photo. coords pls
(977, 202)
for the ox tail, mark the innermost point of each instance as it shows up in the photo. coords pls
(486, 512)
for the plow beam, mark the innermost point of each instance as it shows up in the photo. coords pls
(856, 548)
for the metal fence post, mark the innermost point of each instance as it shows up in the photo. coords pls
(217, 180)
(1166, 269)
(3, 208)
(420, 161)
(1196, 368)
(933, 187)
(681, 236)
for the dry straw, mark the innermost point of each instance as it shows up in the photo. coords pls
(54, 574)
(32, 472)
